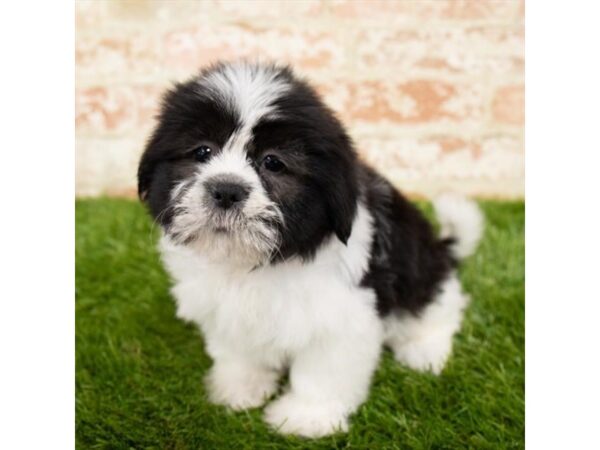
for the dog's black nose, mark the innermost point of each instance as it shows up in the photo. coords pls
(225, 194)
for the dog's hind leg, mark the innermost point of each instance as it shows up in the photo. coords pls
(424, 341)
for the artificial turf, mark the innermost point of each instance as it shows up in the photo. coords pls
(139, 369)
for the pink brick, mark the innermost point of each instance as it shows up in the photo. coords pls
(472, 9)
(115, 109)
(89, 14)
(508, 106)
(412, 102)
(118, 54)
(393, 10)
(243, 10)
(203, 11)
(522, 9)
(188, 49)
(443, 50)
(444, 157)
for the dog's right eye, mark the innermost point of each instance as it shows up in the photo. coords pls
(202, 153)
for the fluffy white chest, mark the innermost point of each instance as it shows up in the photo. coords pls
(276, 309)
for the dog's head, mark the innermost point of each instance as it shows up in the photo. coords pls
(248, 165)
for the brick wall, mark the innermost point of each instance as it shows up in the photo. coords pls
(431, 90)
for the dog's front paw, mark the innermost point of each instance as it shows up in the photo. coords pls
(426, 354)
(293, 415)
(239, 391)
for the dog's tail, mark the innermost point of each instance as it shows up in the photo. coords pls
(461, 220)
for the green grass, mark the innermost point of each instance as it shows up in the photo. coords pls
(139, 369)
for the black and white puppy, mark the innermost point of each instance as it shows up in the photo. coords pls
(291, 254)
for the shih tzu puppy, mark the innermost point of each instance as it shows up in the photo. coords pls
(289, 253)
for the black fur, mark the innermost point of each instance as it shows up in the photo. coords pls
(325, 171)
(185, 120)
(317, 193)
(408, 262)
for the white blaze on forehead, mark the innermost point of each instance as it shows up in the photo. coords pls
(248, 90)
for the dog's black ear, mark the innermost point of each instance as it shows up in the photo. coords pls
(147, 168)
(155, 145)
(144, 176)
(151, 159)
(341, 195)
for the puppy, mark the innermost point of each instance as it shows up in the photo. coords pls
(291, 254)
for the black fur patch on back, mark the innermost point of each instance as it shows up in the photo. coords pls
(408, 261)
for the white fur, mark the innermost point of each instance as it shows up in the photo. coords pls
(250, 240)
(462, 219)
(312, 318)
(240, 384)
(424, 342)
(249, 91)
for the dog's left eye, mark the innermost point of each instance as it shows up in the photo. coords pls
(273, 164)
(202, 153)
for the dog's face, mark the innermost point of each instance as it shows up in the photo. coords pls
(248, 166)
